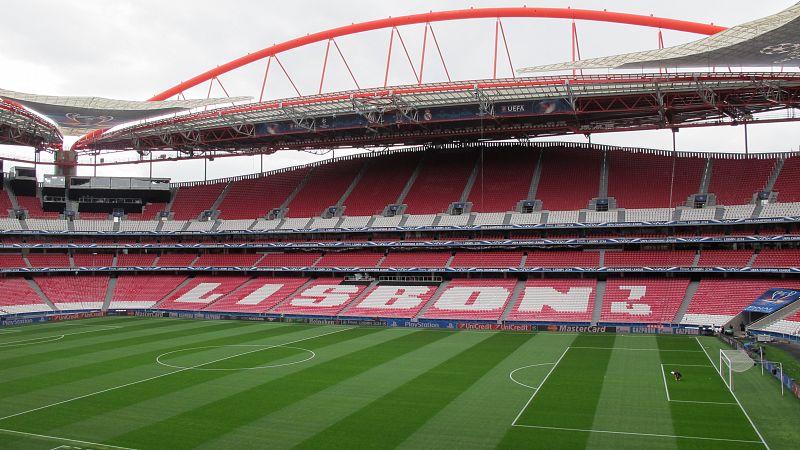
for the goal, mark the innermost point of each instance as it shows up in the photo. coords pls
(733, 361)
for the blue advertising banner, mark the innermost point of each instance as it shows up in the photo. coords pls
(773, 300)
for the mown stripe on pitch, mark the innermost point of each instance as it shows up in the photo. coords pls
(696, 419)
(389, 420)
(223, 416)
(49, 418)
(568, 398)
(126, 360)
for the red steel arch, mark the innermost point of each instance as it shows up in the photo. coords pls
(441, 16)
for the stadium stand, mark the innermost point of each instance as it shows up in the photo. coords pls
(93, 259)
(322, 297)
(19, 298)
(724, 258)
(781, 210)
(323, 187)
(190, 201)
(642, 300)
(488, 259)
(649, 258)
(12, 261)
(258, 295)
(256, 197)
(716, 302)
(34, 207)
(201, 291)
(778, 258)
(428, 260)
(74, 292)
(555, 301)
(580, 167)
(392, 301)
(149, 211)
(565, 258)
(788, 325)
(504, 178)
(440, 182)
(143, 291)
(49, 259)
(288, 260)
(381, 184)
(227, 260)
(643, 180)
(136, 259)
(176, 259)
(734, 181)
(350, 259)
(482, 299)
(786, 185)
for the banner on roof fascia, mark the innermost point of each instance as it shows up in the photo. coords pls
(773, 300)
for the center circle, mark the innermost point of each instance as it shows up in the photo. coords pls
(164, 358)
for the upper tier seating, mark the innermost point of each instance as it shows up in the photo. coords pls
(227, 260)
(49, 259)
(650, 258)
(786, 185)
(440, 182)
(396, 301)
(488, 259)
(34, 207)
(381, 184)
(322, 297)
(642, 300)
(724, 258)
(136, 259)
(288, 260)
(778, 258)
(555, 301)
(19, 298)
(416, 259)
(149, 211)
(258, 295)
(483, 299)
(176, 259)
(570, 179)
(734, 181)
(324, 187)
(12, 261)
(143, 291)
(717, 301)
(93, 259)
(201, 291)
(256, 197)
(5, 202)
(350, 259)
(643, 180)
(190, 201)
(504, 178)
(74, 292)
(563, 258)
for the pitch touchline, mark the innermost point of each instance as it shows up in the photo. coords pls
(734, 395)
(637, 434)
(60, 439)
(638, 349)
(165, 374)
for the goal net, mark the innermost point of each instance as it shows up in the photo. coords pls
(733, 361)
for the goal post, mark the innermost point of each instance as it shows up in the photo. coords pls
(733, 361)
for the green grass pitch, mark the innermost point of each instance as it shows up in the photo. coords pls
(126, 382)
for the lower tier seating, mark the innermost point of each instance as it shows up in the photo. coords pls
(74, 292)
(258, 295)
(201, 291)
(323, 297)
(143, 291)
(396, 301)
(483, 299)
(555, 300)
(642, 300)
(718, 301)
(787, 325)
(18, 297)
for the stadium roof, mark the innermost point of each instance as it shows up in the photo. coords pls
(78, 115)
(765, 42)
(19, 126)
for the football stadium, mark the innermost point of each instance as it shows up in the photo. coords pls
(418, 257)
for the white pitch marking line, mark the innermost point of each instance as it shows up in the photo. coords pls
(637, 349)
(263, 347)
(539, 387)
(162, 375)
(734, 396)
(698, 401)
(664, 376)
(511, 374)
(638, 434)
(60, 439)
(44, 339)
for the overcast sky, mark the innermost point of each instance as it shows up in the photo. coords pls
(135, 49)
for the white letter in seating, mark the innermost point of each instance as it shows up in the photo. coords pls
(195, 294)
(635, 309)
(575, 300)
(259, 295)
(395, 297)
(473, 298)
(325, 295)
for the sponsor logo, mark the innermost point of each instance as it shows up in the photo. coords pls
(493, 327)
(581, 329)
(76, 316)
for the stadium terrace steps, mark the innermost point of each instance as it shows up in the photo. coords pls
(515, 296)
(600, 293)
(691, 289)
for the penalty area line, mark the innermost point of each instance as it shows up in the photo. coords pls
(630, 433)
(60, 439)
